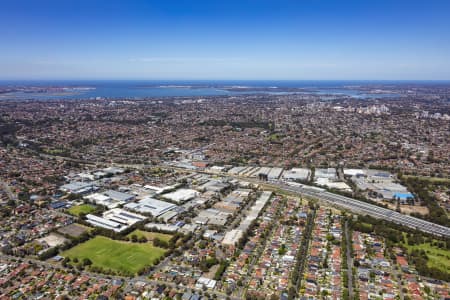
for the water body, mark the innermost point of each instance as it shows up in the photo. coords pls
(139, 89)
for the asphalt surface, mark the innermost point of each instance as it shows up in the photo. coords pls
(364, 208)
(349, 260)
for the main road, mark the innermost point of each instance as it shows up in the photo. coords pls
(342, 202)
(364, 208)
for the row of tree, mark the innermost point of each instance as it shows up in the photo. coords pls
(422, 189)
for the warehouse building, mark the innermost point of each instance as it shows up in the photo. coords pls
(119, 196)
(212, 216)
(105, 223)
(300, 174)
(384, 185)
(232, 237)
(152, 206)
(100, 199)
(214, 186)
(78, 187)
(274, 173)
(329, 173)
(181, 195)
(115, 219)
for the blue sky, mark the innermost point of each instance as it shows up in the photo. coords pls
(302, 39)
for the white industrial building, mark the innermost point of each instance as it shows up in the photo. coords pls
(212, 216)
(329, 173)
(274, 173)
(262, 171)
(123, 216)
(214, 186)
(383, 184)
(115, 219)
(354, 172)
(119, 196)
(232, 237)
(205, 282)
(167, 216)
(100, 199)
(105, 223)
(158, 189)
(301, 174)
(78, 187)
(217, 169)
(328, 178)
(181, 195)
(236, 170)
(249, 171)
(338, 185)
(152, 206)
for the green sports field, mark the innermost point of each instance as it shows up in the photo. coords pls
(116, 255)
(81, 209)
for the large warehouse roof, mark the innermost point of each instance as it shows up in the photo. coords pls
(181, 195)
(152, 206)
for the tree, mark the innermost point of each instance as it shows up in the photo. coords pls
(157, 242)
(87, 262)
(134, 238)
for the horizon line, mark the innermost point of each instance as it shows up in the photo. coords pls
(204, 79)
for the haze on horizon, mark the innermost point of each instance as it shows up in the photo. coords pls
(294, 40)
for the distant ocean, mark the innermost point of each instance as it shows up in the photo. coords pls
(140, 89)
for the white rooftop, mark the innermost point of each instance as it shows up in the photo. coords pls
(150, 205)
(232, 237)
(297, 174)
(181, 195)
(97, 197)
(325, 173)
(122, 216)
(354, 172)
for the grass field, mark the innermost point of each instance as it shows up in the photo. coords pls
(116, 255)
(437, 258)
(151, 235)
(81, 209)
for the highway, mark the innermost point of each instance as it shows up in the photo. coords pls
(353, 205)
(364, 208)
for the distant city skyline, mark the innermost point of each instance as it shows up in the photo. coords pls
(244, 40)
